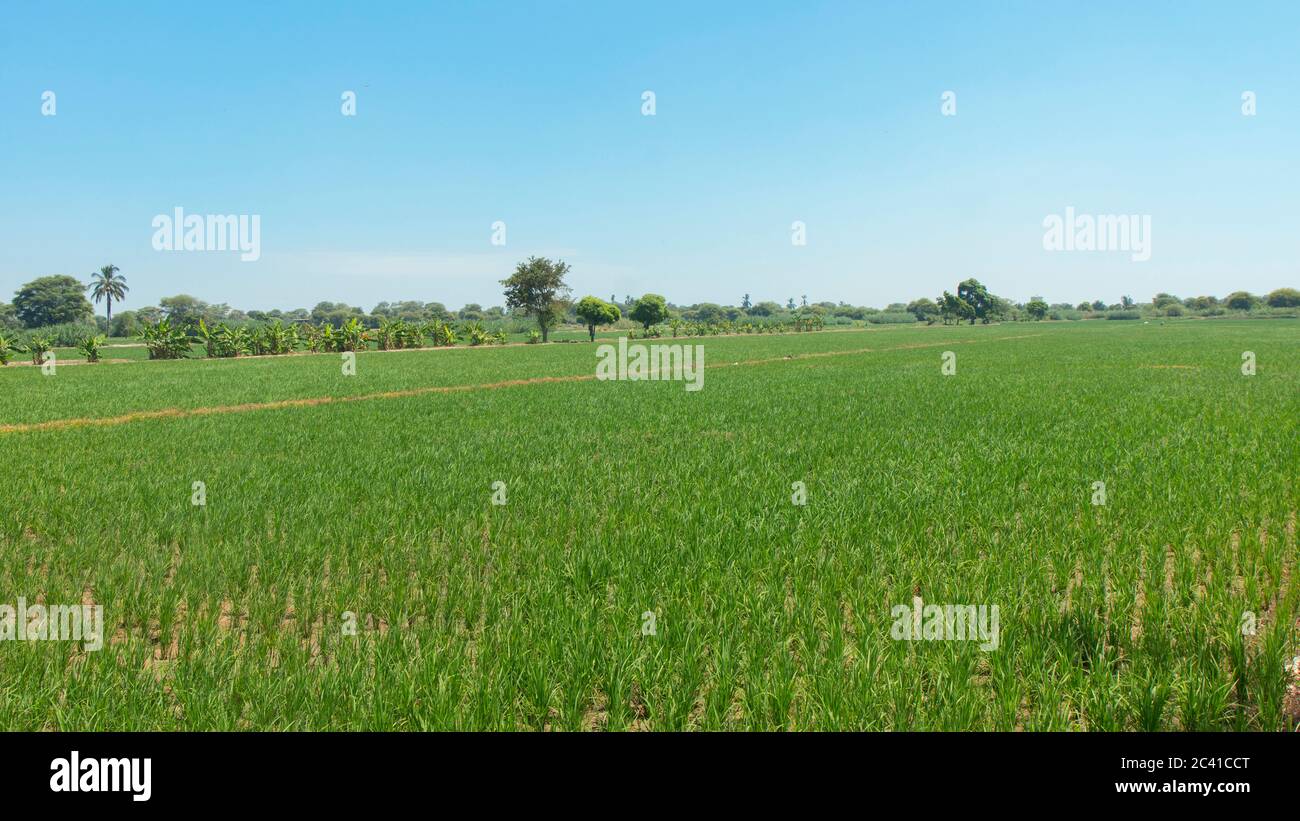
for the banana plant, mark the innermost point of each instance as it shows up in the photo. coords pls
(444, 335)
(476, 333)
(207, 336)
(90, 347)
(38, 346)
(6, 349)
(387, 334)
(354, 336)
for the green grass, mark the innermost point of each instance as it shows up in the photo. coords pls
(632, 497)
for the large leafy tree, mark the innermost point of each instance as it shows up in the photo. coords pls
(537, 288)
(1237, 301)
(51, 300)
(595, 311)
(982, 303)
(650, 309)
(106, 286)
(1284, 298)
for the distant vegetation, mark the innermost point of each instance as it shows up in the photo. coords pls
(53, 311)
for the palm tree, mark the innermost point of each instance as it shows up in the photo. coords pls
(108, 286)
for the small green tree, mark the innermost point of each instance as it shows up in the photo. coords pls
(954, 308)
(595, 311)
(650, 309)
(537, 288)
(923, 309)
(1037, 308)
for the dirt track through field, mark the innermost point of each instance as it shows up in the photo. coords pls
(279, 404)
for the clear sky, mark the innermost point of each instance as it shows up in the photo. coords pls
(766, 113)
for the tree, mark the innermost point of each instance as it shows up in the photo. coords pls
(126, 323)
(106, 285)
(978, 298)
(1036, 308)
(650, 309)
(923, 309)
(1237, 301)
(765, 309)
(51, 300)
(708, 313)
(745, 303)
(1126, 302)
(595, 311)
(537, 288)
(1284, 298)
(184, 310)
(954, 308)
(789, 304)
(1098, 305)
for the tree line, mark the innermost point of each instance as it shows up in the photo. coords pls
(536, 294)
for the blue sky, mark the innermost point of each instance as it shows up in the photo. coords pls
(766, 113)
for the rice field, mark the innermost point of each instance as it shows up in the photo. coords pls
(352, 565)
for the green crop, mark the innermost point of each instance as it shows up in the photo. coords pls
(490, 538)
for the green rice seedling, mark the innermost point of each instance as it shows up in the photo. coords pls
(585, 593)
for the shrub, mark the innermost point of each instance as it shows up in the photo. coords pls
(1124, 315)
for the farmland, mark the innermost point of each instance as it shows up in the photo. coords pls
(366, 501)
